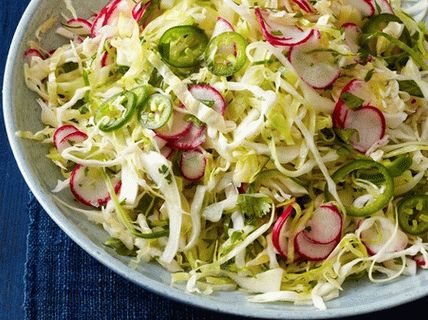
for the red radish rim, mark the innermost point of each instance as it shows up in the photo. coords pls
(105, 13)
(420, 261)
(80, 20)
(191, 140)
(58, 136)
(351, 42)
(83, 136)
(340, 113)
(277, 228)
(329, 247)
(291, 53)
(33, 52)
(139, 10)
(202, 169)
(177, 135)
(311, 236)
(220, 104)
(370, 3)
(275, 40)
(221, 26)
(385, 6)
(101, 201)
(381, 117)
(304, 5)
(104, 58)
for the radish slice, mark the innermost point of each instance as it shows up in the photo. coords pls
(71, 139)
(210, 96)
(175, 128)
(310, 250)
(385, 6)
(325, 226)
(191, 140)
(361, 90)
(98, 23)
(304, 5)
(339, 114)
(104, 17)
(370, 125)
(222, 26)
(140, 9)
(106, 59)
(318, 69)
(166, 151)
(420, 261)
(352, 33)
(32, 53)
(243, 188)
(358, 88)
(366, 7)
(80, 26)
(289, 35)
(279, 232)
(192, 164)
(88, 186)
(375, 238)
(61, 132)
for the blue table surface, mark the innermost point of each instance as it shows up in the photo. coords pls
(13, 199)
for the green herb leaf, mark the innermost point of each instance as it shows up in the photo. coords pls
(411, 87)
(120, 248)
(369, 75)
(347, 134)
(352, 101)
(253, 206)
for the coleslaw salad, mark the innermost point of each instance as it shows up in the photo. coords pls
(277, 147)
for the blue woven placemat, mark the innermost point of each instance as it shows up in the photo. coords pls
(64, 282)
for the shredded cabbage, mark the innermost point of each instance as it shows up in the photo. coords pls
(274, 144)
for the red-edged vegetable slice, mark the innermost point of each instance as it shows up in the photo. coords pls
(279, 232)
(366, 7)
(309, 250)
(209, 96)
(370, 124)
(360, 90)
(374, 240)
(31, 53)
(104, 16)
(317, 68)
(305, 5)
(61, 132)
(80, 26)
(191, 140)
(88, 186)
(385, 6)
(192, 164)
(325, 226)
(176, 128)
(142, 11)
(278, 34)
(222, 26)
(420, 261)
(339, 114)
(352, 33)
(71, 139)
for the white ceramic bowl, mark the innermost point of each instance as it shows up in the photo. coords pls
(21, 112)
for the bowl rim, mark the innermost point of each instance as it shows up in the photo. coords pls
(124, 270)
